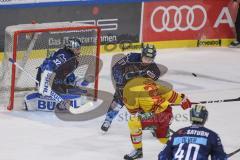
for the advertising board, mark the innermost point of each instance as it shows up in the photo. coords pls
(187, 20)
(118, 22)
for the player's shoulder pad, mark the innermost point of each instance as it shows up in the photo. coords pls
(59, 51)
(63, 55)
(63, 51)
(181, 131)
(213, 137)
(134, 57)
(211, 132)
(55, 54)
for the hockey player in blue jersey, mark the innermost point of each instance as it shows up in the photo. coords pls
(57, 73)
(130, 66)
(61, 64)
(195, 142)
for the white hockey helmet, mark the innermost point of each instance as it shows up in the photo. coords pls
(73, 43)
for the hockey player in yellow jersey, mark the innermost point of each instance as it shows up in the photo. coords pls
(150, 105)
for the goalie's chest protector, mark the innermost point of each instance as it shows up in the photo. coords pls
(70, 63)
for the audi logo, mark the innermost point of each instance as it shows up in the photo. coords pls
(178, 18)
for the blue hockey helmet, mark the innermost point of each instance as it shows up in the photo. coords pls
(198, 114)
(73, 43)
(149, 51)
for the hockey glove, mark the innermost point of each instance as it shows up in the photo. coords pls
(81, 83)
(90, 78)
(186, 103)
(145, 116)
(131, 75)
(70, 79)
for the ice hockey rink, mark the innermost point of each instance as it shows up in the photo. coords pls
(42, 136)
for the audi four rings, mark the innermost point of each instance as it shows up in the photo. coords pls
(190, 17)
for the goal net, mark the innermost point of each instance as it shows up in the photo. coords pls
(29, 44)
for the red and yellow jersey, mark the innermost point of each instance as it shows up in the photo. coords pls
(145, 95)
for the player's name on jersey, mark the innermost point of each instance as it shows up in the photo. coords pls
(197, 133)
(188, 139)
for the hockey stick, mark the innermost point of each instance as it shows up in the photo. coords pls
(55, 96)
(219, 101)
(233, 153)
(29, 49)
(213, 101)
(172, 131)
(19, 67)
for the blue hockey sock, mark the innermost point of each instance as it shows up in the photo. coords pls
(111, 114)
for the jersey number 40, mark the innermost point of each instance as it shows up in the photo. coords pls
(192, 148)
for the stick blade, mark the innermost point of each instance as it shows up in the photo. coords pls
(82, 109)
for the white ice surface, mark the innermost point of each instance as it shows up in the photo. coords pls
(42, 136)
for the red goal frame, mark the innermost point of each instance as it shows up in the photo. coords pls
(14, 55)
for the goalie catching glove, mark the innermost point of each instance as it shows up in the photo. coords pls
(84, 82)
(81, 83)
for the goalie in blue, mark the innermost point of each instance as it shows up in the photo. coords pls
(195, 142)
(131, 66)
(57, 73)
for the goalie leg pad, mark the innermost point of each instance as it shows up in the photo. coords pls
(45, 86)
(36, 101)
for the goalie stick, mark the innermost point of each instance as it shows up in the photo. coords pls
(55, 96)
(19, 67)
(33, 38)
